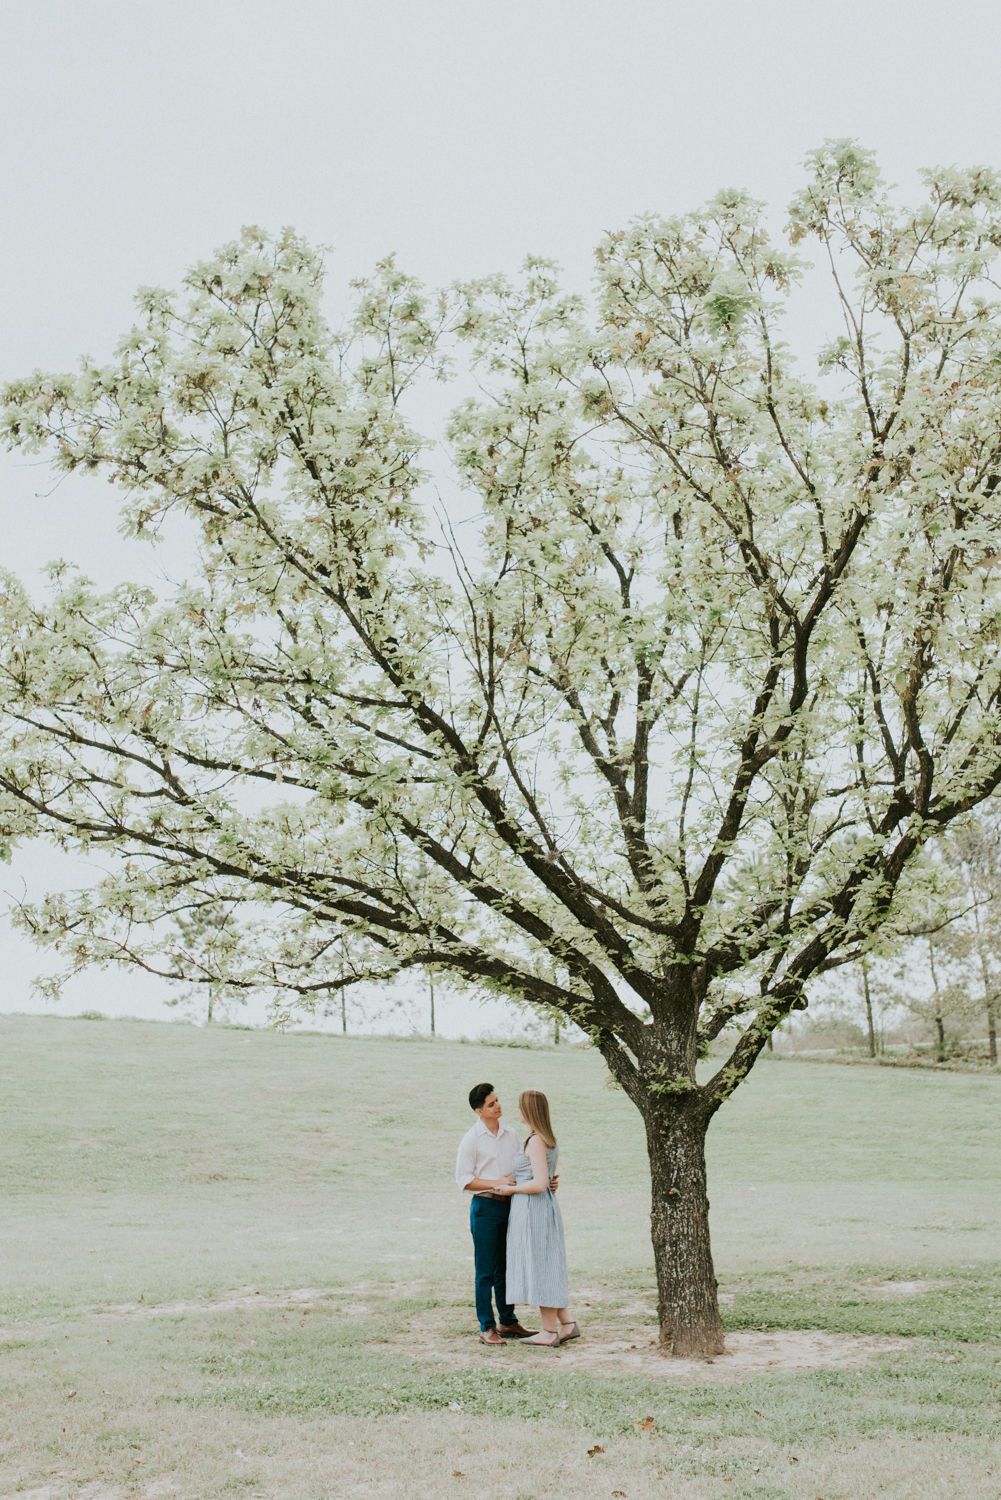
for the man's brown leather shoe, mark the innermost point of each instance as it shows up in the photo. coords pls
(515, 1331)
(490, 1336)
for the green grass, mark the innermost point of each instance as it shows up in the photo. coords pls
(967, 1309)
(170, 1164)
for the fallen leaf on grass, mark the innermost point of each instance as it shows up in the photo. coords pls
(69, 1394)
(596, 1449)
(620, 1492)
(645, 1425)
(458, 1474)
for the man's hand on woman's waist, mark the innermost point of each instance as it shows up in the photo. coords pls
(488, 1184)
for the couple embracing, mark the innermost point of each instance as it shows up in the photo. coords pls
(515, 1220)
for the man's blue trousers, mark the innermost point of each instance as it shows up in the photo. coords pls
(488, 1222)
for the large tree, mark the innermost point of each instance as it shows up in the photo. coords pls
(646, 731)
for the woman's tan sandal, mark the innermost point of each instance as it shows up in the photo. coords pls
(574, 1333)
(543, 1340)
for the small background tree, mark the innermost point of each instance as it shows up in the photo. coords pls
(207, 939)
(974, 852)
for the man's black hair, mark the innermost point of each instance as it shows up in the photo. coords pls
(479, 1095)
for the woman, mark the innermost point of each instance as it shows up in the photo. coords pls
(536, 1257)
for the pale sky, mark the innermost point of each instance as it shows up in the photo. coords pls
(461, 135)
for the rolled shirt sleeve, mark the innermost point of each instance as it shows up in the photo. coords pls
(465, 1161)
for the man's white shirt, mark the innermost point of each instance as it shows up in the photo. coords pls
(485, 1155)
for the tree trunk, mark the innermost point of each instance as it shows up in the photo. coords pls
(868, 1009)
(992, 1027)
(688, 1308)
(939, 1024)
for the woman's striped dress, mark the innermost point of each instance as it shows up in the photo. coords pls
(536, 1256)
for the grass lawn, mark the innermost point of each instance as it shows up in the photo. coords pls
(236, 1265)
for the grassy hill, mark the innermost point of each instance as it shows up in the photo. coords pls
(146, 1162)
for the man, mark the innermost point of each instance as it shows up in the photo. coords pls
(483, 1164)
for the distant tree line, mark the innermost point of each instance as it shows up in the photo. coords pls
(943, 969)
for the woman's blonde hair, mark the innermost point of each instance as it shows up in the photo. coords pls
(535, 1111)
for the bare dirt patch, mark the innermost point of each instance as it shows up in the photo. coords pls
(241, 1299)
(886, 1290)
(634, 1350)
(748, 1352)
(61, 1492)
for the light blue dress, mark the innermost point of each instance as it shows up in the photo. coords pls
(536, 1255)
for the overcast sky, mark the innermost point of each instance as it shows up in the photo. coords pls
(458, 134)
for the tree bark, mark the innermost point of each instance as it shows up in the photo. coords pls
(992, 1026)
(688, 1308)
(868, 1009)
(939, 1024)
